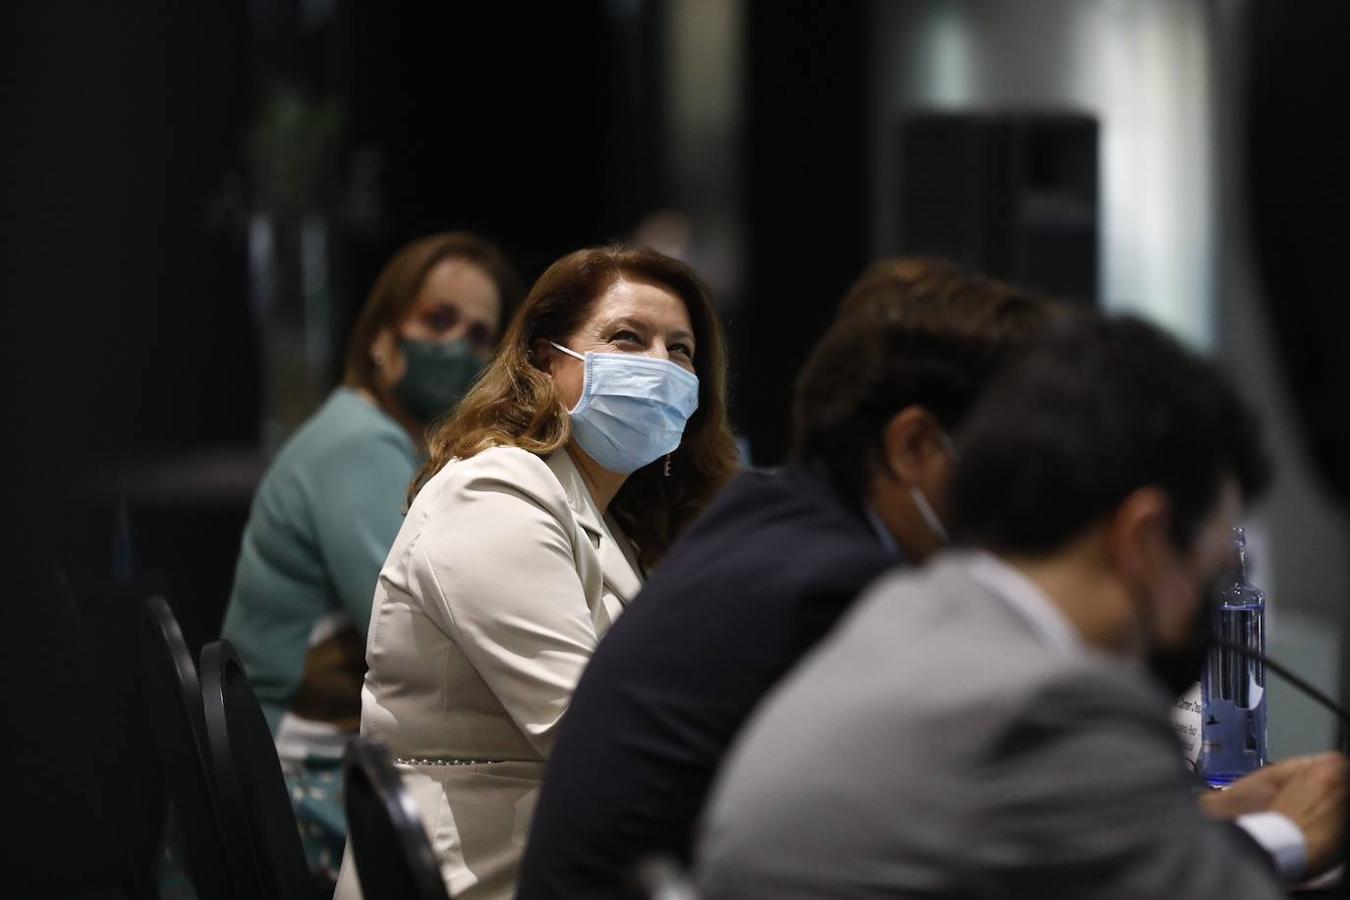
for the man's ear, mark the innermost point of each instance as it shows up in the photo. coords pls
(1138, 534)
(906, 442)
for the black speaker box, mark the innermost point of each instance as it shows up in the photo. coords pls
(1011, 195)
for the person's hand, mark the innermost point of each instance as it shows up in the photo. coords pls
(1255, 792)
(1314, 800)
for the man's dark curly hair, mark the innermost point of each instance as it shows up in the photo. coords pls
(1098, 409)
(909, 332)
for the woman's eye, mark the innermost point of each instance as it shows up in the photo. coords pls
(441, 319)
(479, 337)
(625, 337)
(682, 349)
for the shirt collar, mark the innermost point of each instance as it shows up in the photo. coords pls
(1026, 599)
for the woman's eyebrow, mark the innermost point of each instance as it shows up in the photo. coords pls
(628, 322)
(640, 326)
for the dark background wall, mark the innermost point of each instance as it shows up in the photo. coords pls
(537, 125)
(130, 355)
(807, 196)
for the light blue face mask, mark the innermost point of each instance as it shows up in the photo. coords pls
(632, 410)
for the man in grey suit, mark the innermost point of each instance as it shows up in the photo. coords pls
(988, 727)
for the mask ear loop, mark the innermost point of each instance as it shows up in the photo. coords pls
(569, 351)
(926, 511)
(948, 444)
(586, 382)
(930, 516)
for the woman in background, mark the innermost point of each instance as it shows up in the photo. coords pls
(596, 434)
(330, 505)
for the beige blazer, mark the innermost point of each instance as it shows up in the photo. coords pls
(500, 583)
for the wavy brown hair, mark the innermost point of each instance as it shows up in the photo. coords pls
(515, 404)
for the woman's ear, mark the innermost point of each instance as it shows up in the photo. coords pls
(385, 355)
(382, 346)
(542, 354)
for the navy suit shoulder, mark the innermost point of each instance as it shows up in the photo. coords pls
(760, 577)
(779, 535)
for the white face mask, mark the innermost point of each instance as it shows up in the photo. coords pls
(632, 410)
(926, 511)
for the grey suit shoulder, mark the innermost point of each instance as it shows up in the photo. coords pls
(936, 745)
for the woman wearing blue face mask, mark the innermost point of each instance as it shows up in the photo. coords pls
(329, 507)
(594, 436)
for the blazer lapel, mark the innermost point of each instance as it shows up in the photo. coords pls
(618, 564)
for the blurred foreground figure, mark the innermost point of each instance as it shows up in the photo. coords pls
(770, 567)
(330, 505)
(988, 727)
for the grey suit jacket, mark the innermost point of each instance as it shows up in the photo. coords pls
(940, 744)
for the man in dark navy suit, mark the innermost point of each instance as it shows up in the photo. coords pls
(769, 568)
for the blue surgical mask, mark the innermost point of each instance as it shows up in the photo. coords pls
(632, 410)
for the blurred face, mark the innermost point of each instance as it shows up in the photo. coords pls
(457, 301)
(1181, 583)
(630, 317)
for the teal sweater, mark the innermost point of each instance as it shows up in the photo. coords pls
(321, 524)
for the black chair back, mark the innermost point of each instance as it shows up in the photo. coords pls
(394, 859)
(262, 840)
(174, 696)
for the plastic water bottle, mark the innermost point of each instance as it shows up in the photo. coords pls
(1233, 689)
